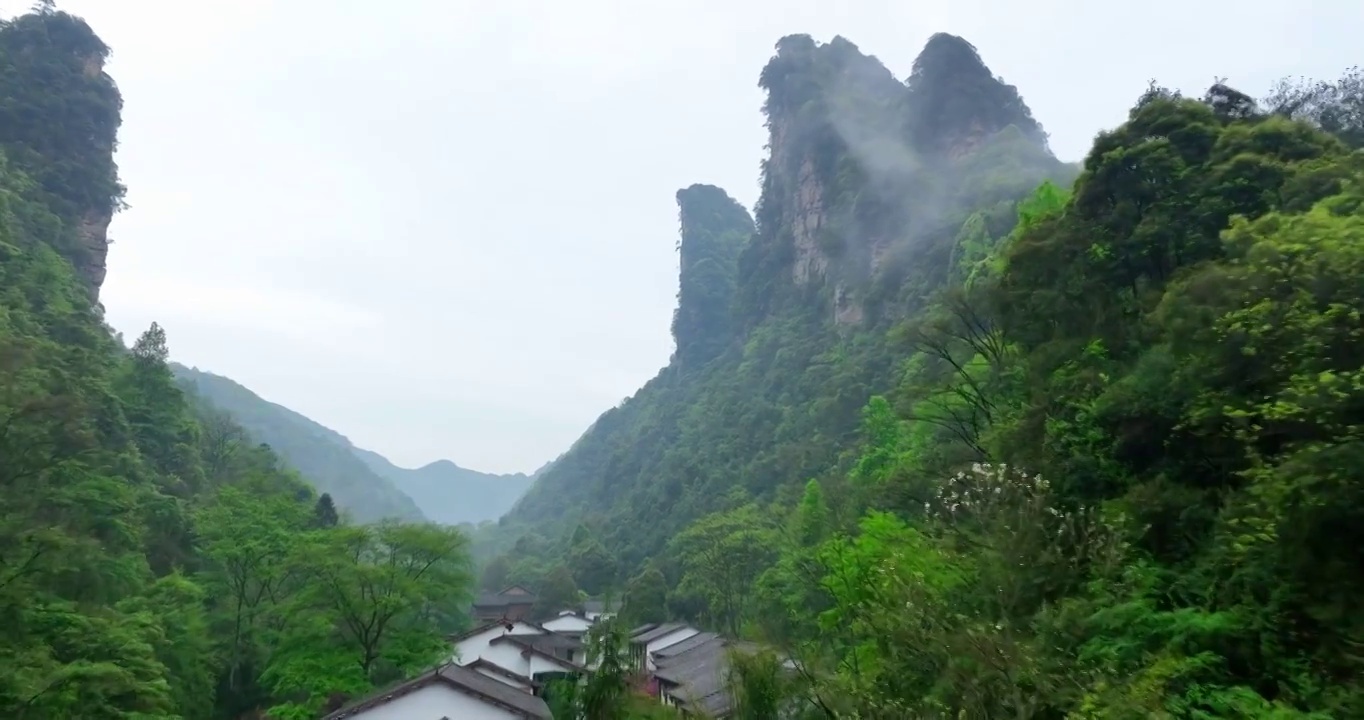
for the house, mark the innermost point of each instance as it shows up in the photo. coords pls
(513, 603)
(661, 656)
(448, 691)
(471, 644)
(539, 657)
(595, 610)
(569, 622)
(694, 678)
(649, 641)
(505, 676)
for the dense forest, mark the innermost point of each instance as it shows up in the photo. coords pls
(964, 430)
(971, 433)
(154, 563)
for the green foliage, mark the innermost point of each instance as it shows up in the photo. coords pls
(714, 231)
(646, 597)
(557, 591)
(154, 562)
(325, 459)
(849, 189)
(1108, 467)
(1109, 448)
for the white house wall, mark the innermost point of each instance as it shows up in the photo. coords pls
(540, 664)
(434, 702)
(471, 648)
(508, 657)
(567, 624)
(503, 679)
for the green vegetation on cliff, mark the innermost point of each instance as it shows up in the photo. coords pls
(858, 222)
(153, 564)
(59, 118)
(964, 434)
(985, 446)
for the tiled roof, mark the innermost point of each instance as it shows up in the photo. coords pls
(662, 657)
(499, 600)
(524, 642)
(462, 679)
(697, 675)
(548, 642)
(496, 669)
(599, 606)
(663, 630)
(646, 627)
(490, 625)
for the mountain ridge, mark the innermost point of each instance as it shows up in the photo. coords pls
(361, 481)
(312, 449)
(865, 203)
(449, 493)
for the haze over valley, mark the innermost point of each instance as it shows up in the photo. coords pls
(609, 361)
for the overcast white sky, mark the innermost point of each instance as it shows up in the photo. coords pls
(446, 228)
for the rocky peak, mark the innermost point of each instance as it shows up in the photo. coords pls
(957, 102)
(863, 165)
(52, 67)
(714, 230)
(836, 120)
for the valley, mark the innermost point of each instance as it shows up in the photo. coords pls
(952, 428)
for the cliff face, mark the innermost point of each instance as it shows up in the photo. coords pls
(59, 119)
(864, 166)
(714, 229)
(868, 185)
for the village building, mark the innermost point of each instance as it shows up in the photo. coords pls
(448, 691)
(569, 622)
(513, 603)
(655, 638)
(471, 644)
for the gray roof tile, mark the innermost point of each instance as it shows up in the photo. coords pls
(462, 679)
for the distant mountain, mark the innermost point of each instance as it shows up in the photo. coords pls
(448, 493)
(325, 458)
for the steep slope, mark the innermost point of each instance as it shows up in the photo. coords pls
(154, 563)
(448, 493)
(59, 117)
(870, 192)
(324, 458)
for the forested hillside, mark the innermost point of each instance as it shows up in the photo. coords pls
(362, 482)
(964, 430)
(153, 564)
(873, 189)
(324, 458)
(975, 445)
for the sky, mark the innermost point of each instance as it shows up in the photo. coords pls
(446, 229)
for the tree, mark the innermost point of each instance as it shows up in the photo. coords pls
(592, 566)
(646, 597)
(495, 574)
(375, 604)
(603, 696)
(324, 512)
(812, 516)
(557, 592)
(721, 554)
